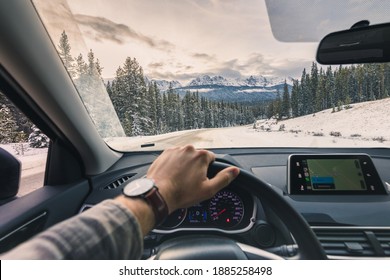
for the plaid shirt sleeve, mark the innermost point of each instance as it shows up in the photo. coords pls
(106, 231)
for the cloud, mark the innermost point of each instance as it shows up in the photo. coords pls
(253, 64)
(258, 64)
(204, 56)
(180, 66)
(105, 29)
(156, 65)
(174, 76)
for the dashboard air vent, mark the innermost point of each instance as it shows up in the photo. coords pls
(354, 242)
(118, 182)
(384, 240)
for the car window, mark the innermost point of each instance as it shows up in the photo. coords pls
(21, 138)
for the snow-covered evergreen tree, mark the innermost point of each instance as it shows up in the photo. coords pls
(151, 96)
(8, 126)
(64, 51)
(37, 139)
(160, 118)
(81, 67)
(286, 103)
(295, 99)
(131, 100)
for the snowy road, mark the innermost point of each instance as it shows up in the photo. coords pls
(201, 138)
(241, 136)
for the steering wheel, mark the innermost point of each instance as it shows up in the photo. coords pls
(209, 247)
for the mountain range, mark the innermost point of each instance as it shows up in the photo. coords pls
(248, 89)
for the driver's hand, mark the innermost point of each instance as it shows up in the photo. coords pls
(181, 176)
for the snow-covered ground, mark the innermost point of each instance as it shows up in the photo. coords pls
(363, 125)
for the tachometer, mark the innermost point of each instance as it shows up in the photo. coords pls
(175, 219)
(226, 209)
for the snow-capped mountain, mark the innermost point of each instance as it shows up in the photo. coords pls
(251, 81)
(163, 85)
(246, 89)
(206, 80)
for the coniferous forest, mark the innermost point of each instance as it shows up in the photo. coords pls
(331, 88)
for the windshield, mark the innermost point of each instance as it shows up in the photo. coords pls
(156, 74)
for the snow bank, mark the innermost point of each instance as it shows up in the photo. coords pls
(365, 122)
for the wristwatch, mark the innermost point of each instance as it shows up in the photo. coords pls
(146, 189)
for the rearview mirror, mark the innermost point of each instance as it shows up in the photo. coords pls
(356, 45)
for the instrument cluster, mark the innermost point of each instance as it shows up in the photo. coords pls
(231, 209)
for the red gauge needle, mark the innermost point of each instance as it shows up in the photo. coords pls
(219, 213)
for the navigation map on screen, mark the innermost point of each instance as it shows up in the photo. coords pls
(334, 174)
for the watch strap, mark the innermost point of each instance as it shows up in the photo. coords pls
(158, 204)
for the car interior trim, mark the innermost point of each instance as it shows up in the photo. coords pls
(23, 226)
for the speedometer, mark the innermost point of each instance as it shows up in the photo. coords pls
(226, 209)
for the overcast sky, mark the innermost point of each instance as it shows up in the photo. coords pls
(181, 39)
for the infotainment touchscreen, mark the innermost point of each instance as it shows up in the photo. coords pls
(333, 174)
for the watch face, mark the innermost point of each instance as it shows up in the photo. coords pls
(138, 187)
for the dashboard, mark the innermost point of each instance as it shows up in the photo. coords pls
(231, 210)
(348, 225)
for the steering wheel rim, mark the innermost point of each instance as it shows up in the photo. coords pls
(308, 244)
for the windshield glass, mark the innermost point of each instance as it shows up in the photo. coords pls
(156, 74)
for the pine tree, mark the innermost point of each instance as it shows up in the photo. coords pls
(286, 104)
(179, 114)
(8, 127)
(153, 108)
(160, 117)
(329, 91)
(64, 51)
(313, 86)
(81, 67)
(303, 101)
(99, 69)
(320, 102)
(37, 139)
(144, 103)
(294, 99)
(353, 91)
(92, 70)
